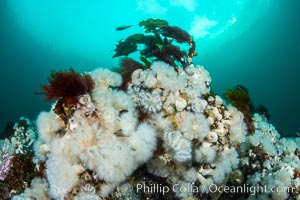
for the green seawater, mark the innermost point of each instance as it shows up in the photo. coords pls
(252, 43)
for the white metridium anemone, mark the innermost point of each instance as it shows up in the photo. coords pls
(218, 174)
(268, 147)
(38, 190)
(150, 102)
(105, 78)
(218, 101)
(184, 189)
(198, 77)
(61, 168)
(279, 194)
(226, 161)
(109, 118)
(122, 101)
(180, 104)
(114, 159)
(166, 76)
(256, 178)
(161, 122)
(144, 78)
(107, 99)
(205, 183)
(194, 125)
(48, 123)
(205, 153)
(128, 123)
(62, 176)
(87, 192)
(256, 138)
(213, 111)
(193, 92)
(61, 147)
(211, 99)
(40, 150)
(78, 119)
(136, 77)
(210, 120)
(163, 69)
(169, 101)
(102, 98)
(180, 148)
(87, 196)
(82, 138)
(281, 179)
(288, 145)
(150, 82)
(238, 129)
(106, 189)
(143, 142)
(212, 137)
(199, 105)
(86, 103)
(190, 175)
(229, 159)
(159, 167)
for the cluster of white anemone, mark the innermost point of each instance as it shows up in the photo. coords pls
(103, 136)
(200, 138)
(21, 141)
(194, 127)
(274, 162)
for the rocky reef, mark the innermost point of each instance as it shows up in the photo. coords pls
(148, 130)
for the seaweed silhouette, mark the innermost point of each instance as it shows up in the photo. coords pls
(159, 43)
